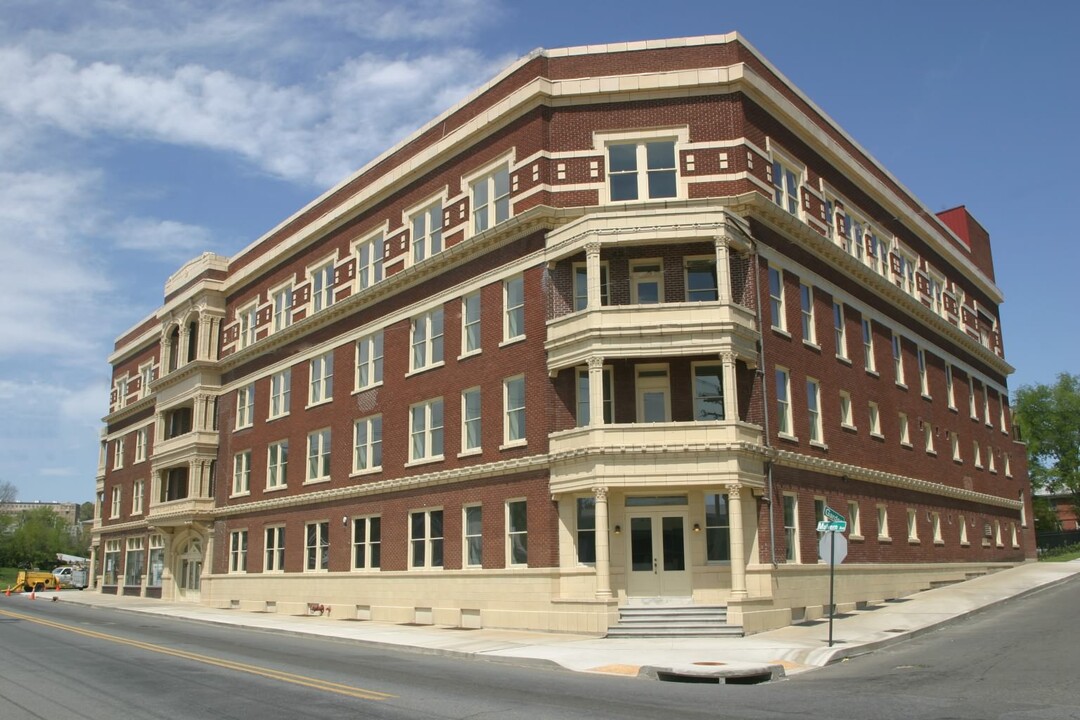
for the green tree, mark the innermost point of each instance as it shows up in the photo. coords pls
(1046, 520)
(35, 537)
(1049, 420)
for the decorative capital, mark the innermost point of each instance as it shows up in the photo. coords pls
(734, 491)
(600, 493)
(595, 363)
(728, 357)
(592, 249)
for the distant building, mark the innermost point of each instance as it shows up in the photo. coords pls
(614, 330)
(68, 511)
(1063, 507)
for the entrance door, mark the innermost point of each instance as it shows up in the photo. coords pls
(189, 571)
(658, 555)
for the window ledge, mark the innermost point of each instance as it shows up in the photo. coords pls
(325, 401)
(513, 444)
(470, 453)
(424, 369)
(932, 452)
(271, 418)
(316, 481)
(939, 542)
(819, 444)
(276, 488)
(871, 371)
(425, 461)
(965, 544)
(511, 341)
(366, 471)
(852, 428)
(856, 538)
(927, 396)
(812, 345)
(953, 408)
(372, 386)
(240, 494)
(781, 331)
(901, 384)
(905, 444)
(914, 541)
(958, 461)
(786, 436)
(884, 539)
(238, 428)
(472, 353)
(877, 436)
(978, 466)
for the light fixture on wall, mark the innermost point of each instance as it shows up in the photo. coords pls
(697, 527)
(344, 520)
(618, 530)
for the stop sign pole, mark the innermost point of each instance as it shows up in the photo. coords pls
(832, 547)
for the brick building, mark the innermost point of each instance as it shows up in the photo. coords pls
(613, 330)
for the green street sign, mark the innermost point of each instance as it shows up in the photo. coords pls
(833, 516)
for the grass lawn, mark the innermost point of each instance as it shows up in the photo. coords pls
(1063, 557)
(7, 576)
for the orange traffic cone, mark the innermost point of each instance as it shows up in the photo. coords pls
(7, 592)
(33, 593)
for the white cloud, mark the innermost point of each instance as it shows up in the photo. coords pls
(166, 239)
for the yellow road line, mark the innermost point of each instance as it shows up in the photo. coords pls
(207, 660)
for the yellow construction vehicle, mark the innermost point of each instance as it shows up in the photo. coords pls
(34, 580)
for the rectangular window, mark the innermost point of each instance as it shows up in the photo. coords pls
(248, 318)
(854, 521)
(868, 347)
(912, 526)
(963, 530)
(517, 535)
(1004, 402)
(367, 444)
(882, 522)
(583, 407)
(990, 464)
(491, 199)
(971, 399)
(318, 454)
(280, 384)
(653, 388)
(427, 232)
(426, 339)
(274, 549)
(776, 298)
(426, 539)
(473, 536)
(806, 299)
(924, 380)
(146, 376)
(875, 419)
(949, 394)
(701, 284)
(321, 385)
(846, 418)
(928, 437)
(133, 564)
(369, 360)
(112, 561)
(986, 406)
(586, 530)
(245, 406)
(954, 440)
(813, 410)
(114, 507)
(783, 401)
(581, 286)
(118, 454)
(283, 300)
(1008, 467)
(277, 464)
(905, 435)
(647, 282)
(839, 330)
(369, 262)
(470, 420)
(791, 528)
(317, 546)
(626, 181)
(514, 405)
(322, 287)
(137, 489)
(514, 305)
(141, 436)
(238, 545)
(786, 186)
(708, 393)
(367, 543)
(935, 524)
(898, 359)
(717, 527)
(426, 431)
(241, 473)
(157, 560)
(470, 324)
(976, 452)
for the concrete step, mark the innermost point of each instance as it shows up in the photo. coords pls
(674, 621)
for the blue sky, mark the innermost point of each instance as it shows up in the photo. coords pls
(135, 134)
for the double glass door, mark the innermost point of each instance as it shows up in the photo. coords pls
(658, 557)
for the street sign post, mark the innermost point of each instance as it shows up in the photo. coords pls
(833, 549)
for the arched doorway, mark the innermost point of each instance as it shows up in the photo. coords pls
(189, 561)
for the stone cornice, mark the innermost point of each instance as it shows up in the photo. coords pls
(799, 461)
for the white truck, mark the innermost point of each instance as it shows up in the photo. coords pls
(75, 575)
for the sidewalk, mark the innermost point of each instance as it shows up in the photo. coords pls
(785, 651)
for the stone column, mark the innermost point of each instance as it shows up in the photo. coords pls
(723, 270)
(592, 275)
(596, 391)
(730, 389)
(603, 553)
(182, 352)
(738, 545)
(91, 572)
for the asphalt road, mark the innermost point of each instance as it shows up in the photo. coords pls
(1017, 661)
